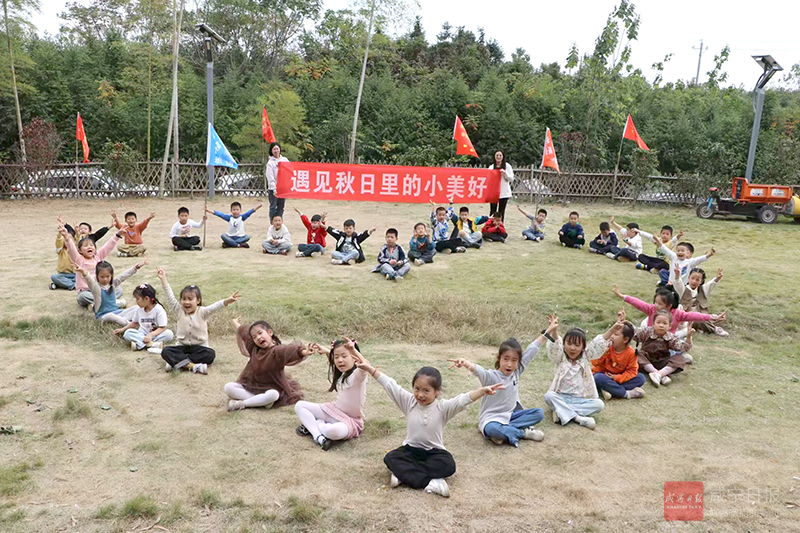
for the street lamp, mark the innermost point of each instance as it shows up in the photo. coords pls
(770, 67)
(209, 36)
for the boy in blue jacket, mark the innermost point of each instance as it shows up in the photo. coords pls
(420, 248)
(571, 233)
(605, 242)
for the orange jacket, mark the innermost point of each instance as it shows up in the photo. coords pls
(622, 365)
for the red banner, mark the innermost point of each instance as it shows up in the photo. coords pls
(384, 183)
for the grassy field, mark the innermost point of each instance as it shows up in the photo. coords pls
(166, 456)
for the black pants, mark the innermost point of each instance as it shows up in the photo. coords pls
(571, 242)
(652, 262)
(497, 237)
(275, 205)
(426, 256)
(416, 467)
(449, 244)
(186, 243)
(603, 248)
(499, 208)
(179, 356)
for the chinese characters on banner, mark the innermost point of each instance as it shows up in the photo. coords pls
(383, 183)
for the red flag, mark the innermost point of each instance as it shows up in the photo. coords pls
(81, 136)
(464, 145)
(631, 133)
(266, 127)
(549, 158)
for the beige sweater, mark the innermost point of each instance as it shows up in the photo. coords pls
(192, 329)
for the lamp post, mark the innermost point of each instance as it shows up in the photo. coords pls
(209, 36)
(770, 67)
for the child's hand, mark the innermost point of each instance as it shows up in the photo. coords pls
(621, 316)
(720, 317)
(616, 291)
(207, 210)
(719, 275)
(656, 241)
(680, 235)
(152, 215)
(260, 205)
(205, 217)
(144, 263)
(611, 219)
(161, 274)
(62, 229)
(297, 211)
(459, 363)
(393, 262)
(371, 231)
(147, 339)
(553, 326)
(433, 204)
(491, 390)
(231, 299)
(236, 322)
(677, 271)
(350, 345)
(711, 252)
(81, 270)
(113, 215)
(313, 347)
(121, 233)
(118, 331)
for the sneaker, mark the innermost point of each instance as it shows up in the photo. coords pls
(394, 482)
(438, 486)
(122, 303)
(586, 421)
(348, 262)
(156, 351)
(633, 394)
(666, 380)
(235, 405)
(606, 395)
(688, 358)
(264, 251)
(564, 244)
(578, 246)
(610, 255)
(133, 346)
(556, 420)
(324, 443)
(337, 262)
(244, 245)
(225, 245)
(197, 247)
(593, 251)
(388, 277)
(499, 442)
(315, 254)
(157, 344)
(418, 262)
(168, 367)
(53, 287)
(655, 377)
(639, 266)
(300, 254)
(717, 330)
(460, 249)
(122, 254)
(399, 278)
(174, 248)
(533, 434)
(477, 245)
(302, 431)
(284, 252)
(200, 368)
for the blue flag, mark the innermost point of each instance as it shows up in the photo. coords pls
(216, 153)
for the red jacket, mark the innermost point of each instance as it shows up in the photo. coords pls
(315, 236)
(491, 227)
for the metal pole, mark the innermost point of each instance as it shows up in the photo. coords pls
(352, 157)
(751, 155)
(699, 59)
(616, 169)
(210, 106)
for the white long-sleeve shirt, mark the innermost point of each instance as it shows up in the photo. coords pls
(686, 265)
(634, 242)
(272, 171)
(352, 394)
(183, 230)
(280, 235)
(659, 252)
(425, 422)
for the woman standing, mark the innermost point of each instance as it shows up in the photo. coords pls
(275, 204)
(506, 177)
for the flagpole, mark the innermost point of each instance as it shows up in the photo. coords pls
(616, 167)
(205, 225)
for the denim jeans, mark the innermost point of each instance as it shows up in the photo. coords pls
(234, 242)
(531, 234)
(346, 256)
(473, 240)
(134, 335)
(276, 248)
(513, 431)
(308, 249)
(617, 390)
(626, 252)
(393, 272)
(63, 280)
(568, 406)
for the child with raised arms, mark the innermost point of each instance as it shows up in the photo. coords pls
(315, 239)
(630, 234)
(573, 394)
(133, 245)
(614, 363)
(148, 322)
(535, 232)
(235, 237)
(659, 262)
(85, 255)
(422, 462)
(660, 352)
(264, 382)
(104, 286)
(440, 230)
(502, 419)
(348, 243)
(344, 418)
(694, 297)
(421, 248)
(682, 259)
(192, 352)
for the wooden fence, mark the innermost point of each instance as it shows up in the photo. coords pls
(190, 179)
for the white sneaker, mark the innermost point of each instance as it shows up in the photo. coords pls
(610, 255)
(156, 351)
(420, 262)
(200, 368)
(299, 254)
(122, 254)
(438, 486)
(133, 346)
(315, 254)
(393, 481)
(666, 380)
(158, 345)
(556, 420)
(689, 360)
(235, 405)
(122, 303)
(586, 421)
(721, 332)
(564, 244)
(168, 367)
(388, 277)
(399, 278)
(460, 250)
(348, 262)
(337, 262)
(499, 442)
(635, 393)
(606, 395)
(53, 286)
(533, 434)
(655, 377)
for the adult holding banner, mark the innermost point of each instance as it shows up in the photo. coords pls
(275, 204)
(506, 177)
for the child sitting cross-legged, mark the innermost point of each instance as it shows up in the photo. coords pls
(605, 242)
(660, 261)
(421, 248)
(573, 394)
(180, 234)
(348, 243)
(466, 228)
(630, 234)
(392, 261)
(315, 239)
(235, 237)
(148, 322)
(494, 230)
(440, 229)
(616, 370)
(502, 419)
(660, 352)
(133, 245)
(344, 418)
(535, 232)
(278, 240)
(104, 287)
(571, 233)
(422, 462)
(694, 297)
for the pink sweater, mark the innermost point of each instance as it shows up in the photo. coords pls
(350, 396)
(88, 264)
(678, 315)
